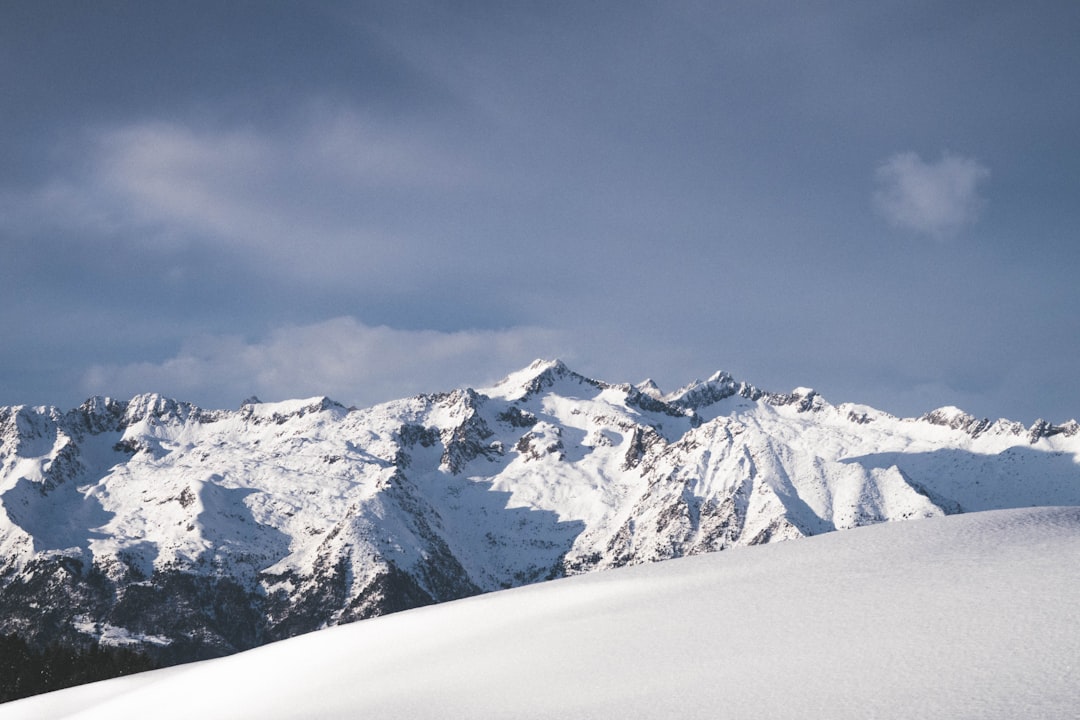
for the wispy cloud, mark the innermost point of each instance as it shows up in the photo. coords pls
(932, 198)
(343, 358)
(320, 198)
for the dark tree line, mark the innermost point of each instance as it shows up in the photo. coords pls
(25, 670)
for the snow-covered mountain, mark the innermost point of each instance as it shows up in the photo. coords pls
(194, 533)
(969, 616)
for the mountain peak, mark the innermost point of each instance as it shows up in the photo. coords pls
(280, 411)
(719, 386)
(803, 398)
(650, 388)
(154, 405)
(538, 375)
(953, 417)
(720, 376)
(1043, 429)
(99, 413)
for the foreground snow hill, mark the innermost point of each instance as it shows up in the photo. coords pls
(191, 533)
(969, 616)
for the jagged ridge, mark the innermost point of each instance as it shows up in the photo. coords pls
(195, 532)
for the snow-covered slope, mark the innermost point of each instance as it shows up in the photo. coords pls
(970, 616)
(195, 533)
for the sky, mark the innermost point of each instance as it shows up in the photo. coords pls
(368, 200)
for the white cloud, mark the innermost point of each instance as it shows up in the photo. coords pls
(253, 187)
(332, 196)
(935, 199)
(347, 360)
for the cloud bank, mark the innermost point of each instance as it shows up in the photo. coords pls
(935, 199)
(345, 359)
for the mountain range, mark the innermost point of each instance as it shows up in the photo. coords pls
(191, 533)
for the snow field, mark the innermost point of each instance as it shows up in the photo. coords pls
(968, 616)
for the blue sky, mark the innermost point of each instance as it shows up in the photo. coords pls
(367, 200)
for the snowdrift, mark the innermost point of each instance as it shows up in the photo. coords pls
(961, 616)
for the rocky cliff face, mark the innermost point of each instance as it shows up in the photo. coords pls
(194, 533)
